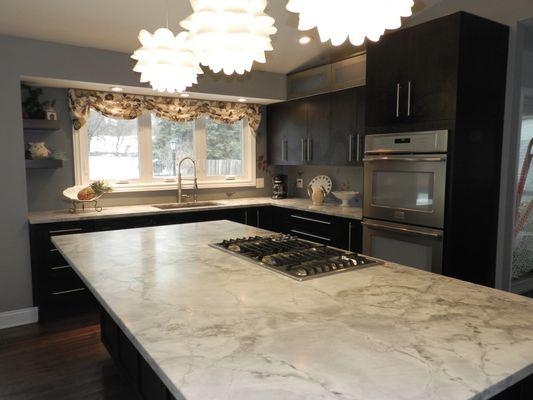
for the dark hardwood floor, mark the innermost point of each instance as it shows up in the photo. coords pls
(62, 359)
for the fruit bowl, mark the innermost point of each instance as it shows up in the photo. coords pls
(345, 197)
(71, 194)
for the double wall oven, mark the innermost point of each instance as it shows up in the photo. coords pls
(404, 202)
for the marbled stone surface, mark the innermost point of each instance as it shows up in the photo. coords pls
(43, 217)
(214, 326)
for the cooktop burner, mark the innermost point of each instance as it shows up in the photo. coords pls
(295, 257)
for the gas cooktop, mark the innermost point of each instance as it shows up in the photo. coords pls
(295, 257)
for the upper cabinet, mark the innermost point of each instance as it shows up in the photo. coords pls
(325, 129)
(413, 74)
(340, 75)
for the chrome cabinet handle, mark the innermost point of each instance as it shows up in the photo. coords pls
(409, 85)
(65, 231)
(350, 148)
(358, 148)
(310, 219)
(58, 268)
(68, 291)
(257, 218)
(425, 159)
(309, 149)
(397, 100)
(284, 155)
(310, 235)
(303, 149)
(402, 230)
(246, 218)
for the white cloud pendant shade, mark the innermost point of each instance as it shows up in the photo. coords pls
(337, 20)
(229, 35)
(166, 61)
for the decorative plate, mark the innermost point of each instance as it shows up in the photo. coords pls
(322, 180)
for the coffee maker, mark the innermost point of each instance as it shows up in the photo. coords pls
(279, 187)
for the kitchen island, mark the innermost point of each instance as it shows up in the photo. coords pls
(213, 326)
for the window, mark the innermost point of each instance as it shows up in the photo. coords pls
(143, 154)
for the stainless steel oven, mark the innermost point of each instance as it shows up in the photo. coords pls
(405, 178)
(404, 244)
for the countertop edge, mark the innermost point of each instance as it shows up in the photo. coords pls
(333, 210)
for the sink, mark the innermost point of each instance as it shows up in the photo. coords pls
(190, 204)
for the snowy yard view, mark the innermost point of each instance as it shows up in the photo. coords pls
(114, 148)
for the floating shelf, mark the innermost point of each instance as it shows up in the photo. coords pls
(43, 164)
(41, 125)
(523, 284)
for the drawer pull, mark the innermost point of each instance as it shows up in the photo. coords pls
(310, 219)
(310, 235)
(65, 231)
(53, 250)
(58, 268)
(68, 291)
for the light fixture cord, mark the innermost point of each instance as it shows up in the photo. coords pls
(167, 13)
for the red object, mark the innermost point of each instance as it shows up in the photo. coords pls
(520, 219)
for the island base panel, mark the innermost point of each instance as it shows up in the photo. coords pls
(130, 363)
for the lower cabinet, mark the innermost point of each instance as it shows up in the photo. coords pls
(57, 289)
(325, 229)
(130, 362)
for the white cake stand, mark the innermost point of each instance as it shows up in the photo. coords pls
(345, 197)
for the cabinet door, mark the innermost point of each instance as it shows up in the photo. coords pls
(347, 126)
(296, 114)
(386, 70)
(318, 144)
(277, 131)
(431, 82)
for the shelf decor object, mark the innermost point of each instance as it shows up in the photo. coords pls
(337, 20)
(79, 196)
(166, 61)
(230, 35)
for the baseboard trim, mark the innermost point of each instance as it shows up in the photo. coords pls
(24, 316)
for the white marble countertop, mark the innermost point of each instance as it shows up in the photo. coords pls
(214, 326)
(42, 217)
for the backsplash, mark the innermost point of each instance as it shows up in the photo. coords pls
(45, 186)
(343, 178)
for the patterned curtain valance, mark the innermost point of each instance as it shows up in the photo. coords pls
(131, 106)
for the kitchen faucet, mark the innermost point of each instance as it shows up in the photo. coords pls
(195, 185)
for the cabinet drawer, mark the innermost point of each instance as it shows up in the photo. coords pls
(54, 259)
(63, 280)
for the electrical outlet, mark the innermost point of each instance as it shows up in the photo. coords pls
(260, 183)
(299, 183)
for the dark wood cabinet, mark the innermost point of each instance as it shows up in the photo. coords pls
(57, 289)
(386, 70)
(287, 133)
(326, 129)
(415, 75)
(347, 127)
(317, 145)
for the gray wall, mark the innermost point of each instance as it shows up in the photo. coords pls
(24, 57)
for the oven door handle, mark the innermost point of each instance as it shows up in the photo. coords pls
(422, 159)
(417, 232)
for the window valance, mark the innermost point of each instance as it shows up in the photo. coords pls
(131, 106)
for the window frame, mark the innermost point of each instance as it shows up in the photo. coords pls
(146, 181)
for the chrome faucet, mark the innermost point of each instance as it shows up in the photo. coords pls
(195, 187)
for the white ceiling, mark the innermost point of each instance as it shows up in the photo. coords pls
(114, 25)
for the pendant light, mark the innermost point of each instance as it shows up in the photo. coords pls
(166, 61)
(230, 35)
(337, 20)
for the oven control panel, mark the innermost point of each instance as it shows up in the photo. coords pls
(408, 142)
